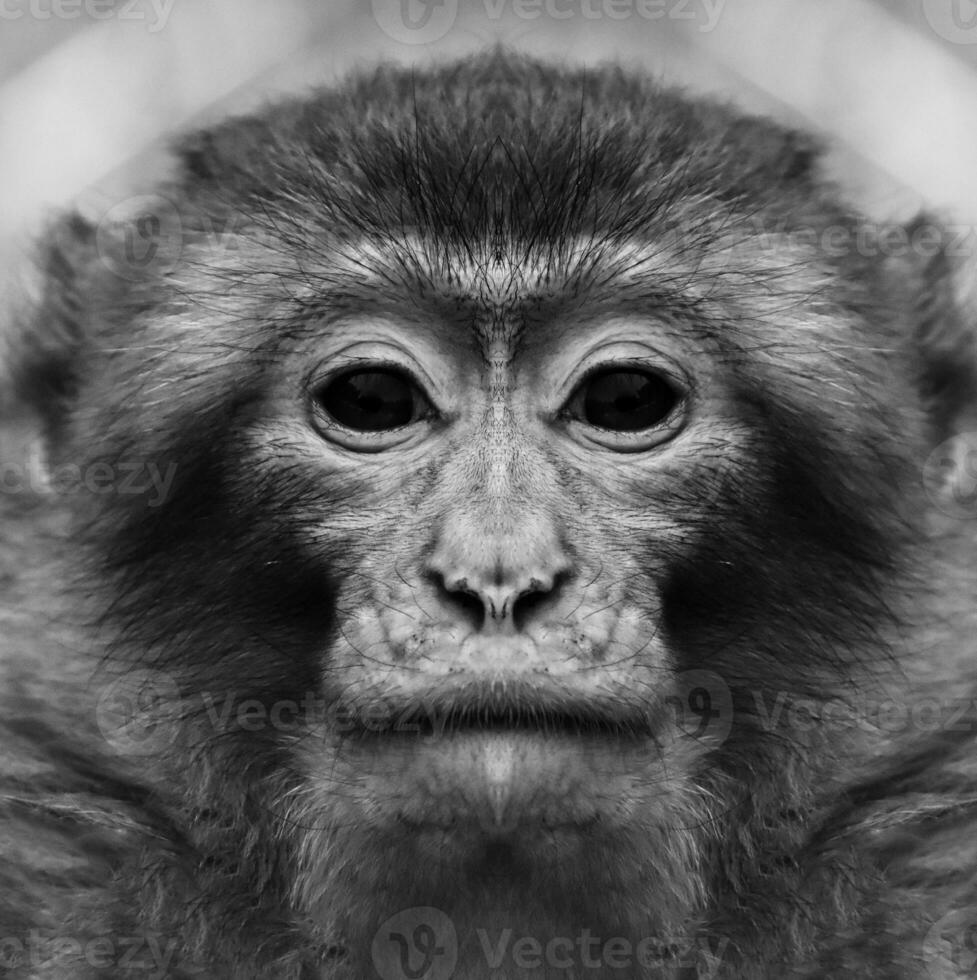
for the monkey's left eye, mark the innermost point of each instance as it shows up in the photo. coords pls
(623, 401)
(372, 400)
(627, 409)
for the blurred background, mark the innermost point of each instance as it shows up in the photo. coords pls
(89, 88)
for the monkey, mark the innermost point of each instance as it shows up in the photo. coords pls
(497, 519)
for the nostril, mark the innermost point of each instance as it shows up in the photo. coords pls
(527, 605)
(458, 595)
(531, 600)
(472, 607)
(495, 606)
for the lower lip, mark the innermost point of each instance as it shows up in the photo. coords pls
(498, 783)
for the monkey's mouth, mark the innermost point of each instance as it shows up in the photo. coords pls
(483, 761)
(446, 721)
(479, 771)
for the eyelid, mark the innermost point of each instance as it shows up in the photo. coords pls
(678, 384)
(627, 356)
(626, 441)
(372, 368)
(369, 440)
(351, 365)
(318, 379)
(377, 354)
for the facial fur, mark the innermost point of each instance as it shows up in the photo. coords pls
(534, 677)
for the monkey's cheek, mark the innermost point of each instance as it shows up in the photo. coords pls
(511, 785)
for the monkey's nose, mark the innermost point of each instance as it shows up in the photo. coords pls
(498, 604)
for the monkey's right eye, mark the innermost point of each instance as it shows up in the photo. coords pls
(625, 401)
(372, 400)
(627, 409)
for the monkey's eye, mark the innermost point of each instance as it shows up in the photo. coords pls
(372, 400)
(623, 401)
(627, 409)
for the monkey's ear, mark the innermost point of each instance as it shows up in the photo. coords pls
(235, 152)
(48, 342)
(772, 156)
(943, 298)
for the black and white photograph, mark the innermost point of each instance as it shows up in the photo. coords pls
(488, 489)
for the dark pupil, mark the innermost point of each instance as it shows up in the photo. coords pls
(627, 401)
(370, 401)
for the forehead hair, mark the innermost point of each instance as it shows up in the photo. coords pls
(464, 181)
(503, 155)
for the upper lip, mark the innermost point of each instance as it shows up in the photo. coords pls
(515, 708)
(512, 718)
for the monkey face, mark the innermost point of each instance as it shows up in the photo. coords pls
(514, 480)
(547, 561)
(502, 534)
(493, 668)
